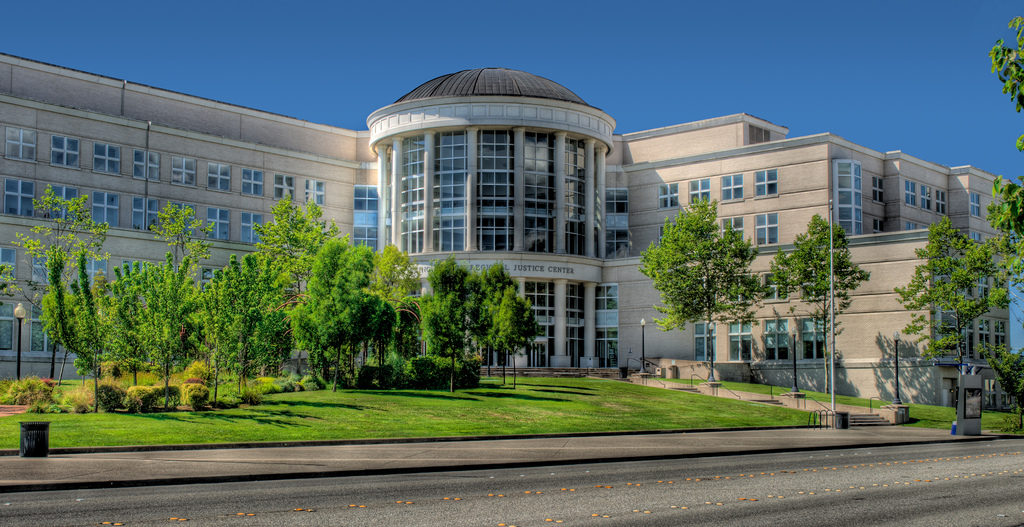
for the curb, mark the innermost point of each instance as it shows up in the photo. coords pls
(236, 478)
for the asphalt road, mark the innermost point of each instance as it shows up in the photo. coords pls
(943, 484)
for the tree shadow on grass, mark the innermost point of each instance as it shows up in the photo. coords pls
(280, 418)
(519, 395)
(550, 387)
(320, 404)
(571, 392)
(419, 394)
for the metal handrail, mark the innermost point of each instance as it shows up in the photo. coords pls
(691, 379)
(872, 399)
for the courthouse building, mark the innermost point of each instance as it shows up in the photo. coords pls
(496, 165)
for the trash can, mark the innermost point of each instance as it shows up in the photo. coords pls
(952, 430)
(842, 421)
(623, 372)
(35, 439)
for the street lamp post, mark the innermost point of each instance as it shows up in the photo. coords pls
(792, 353)
(896, 347)
(643, 356)
(19, 313)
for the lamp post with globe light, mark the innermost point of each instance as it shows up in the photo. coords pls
(896, 348)
(643, 356)
(19, 313)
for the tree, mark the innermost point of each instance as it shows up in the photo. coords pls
(1009, 368)
(170, 296)
(514, 326)
(89, 337)
(446, 314)
(943, 289)
(487, 291)
(294, 238)
(180, 228)
(702, 272)
(325, 323)
(394, 275)
(805, 269)
(68, 228)
(58, 312)
(127, 343)
(1007, 214)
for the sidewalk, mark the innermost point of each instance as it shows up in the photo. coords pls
(140, 468)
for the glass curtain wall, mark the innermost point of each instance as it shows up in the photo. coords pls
(542, 297)
(574, 323)
(539, 170)
(575, 205)
(495, 190)
(413, 194)
(606, 348)
(449, 192)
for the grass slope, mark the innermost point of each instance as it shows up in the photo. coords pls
(536, 406)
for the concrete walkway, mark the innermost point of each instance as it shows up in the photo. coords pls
(119, 469)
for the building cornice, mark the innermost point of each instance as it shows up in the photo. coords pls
(704, 123)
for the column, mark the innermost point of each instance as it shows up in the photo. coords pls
(396, 193)
(382, 177)
(424, 286)
(519, 234)
(589, 328)
(471, 168)
(588, 185)
(602, 195)
(559, 358)
(560, 192)
(522, 286)
(428, 192)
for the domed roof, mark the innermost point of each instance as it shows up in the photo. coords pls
(492, 81)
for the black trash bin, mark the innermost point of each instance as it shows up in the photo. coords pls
(623, 372)
(842, 420)
(35, 439)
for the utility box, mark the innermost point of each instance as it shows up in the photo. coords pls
(970, 394)
(842, 421)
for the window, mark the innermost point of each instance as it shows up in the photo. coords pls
(607, 321)
(249, 222)
(8, 257)
(542, 297)
(252, 182)
(735, 224)
(39, 270)
(365, 216)
(64, 193)
(876, 225)
(732, 187)
(877, 194)
(926, 197)
(848, 195)
(759, 135)
(940, 201)
(218, 176)
(104, 208)
(999, 337)
(812, 338)
(668, 195)
(21, 144)
(40, 341)
(146, 165)
(974, 235)
(95, 268)
(574, 323)
(315, 191)
(616, 223)
(106, 158)
(773, 290)
(766, 182)
(495, 191)
(183, 170)
(983, 287)
(776, 339)
(767, 229)
(221, 221)
(283, 186)
(144, 213)
(910, 193)
(975, 204)
(205, 276)
(740, 342)
(700, 190)
(703, 341)
(7, 326)
(64, 151)
(18, 196)
(910, 226)
(575, 207)
(984, 331)
(449, 195)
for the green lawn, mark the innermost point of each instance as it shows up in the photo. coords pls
(536, 406)
(921, 415)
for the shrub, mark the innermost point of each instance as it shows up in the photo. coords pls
(311, 383)
(79, 400)
(111, 369)
(285, 385)
(29, 391)
(110, 396)
(267, 385)
(140, 399)
(432, 373)
(195, 395)
(199, 370)
(251, 396)
(467, 373)
(174, 395)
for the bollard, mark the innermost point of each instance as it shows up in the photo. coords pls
(952, 430)
(35, 439)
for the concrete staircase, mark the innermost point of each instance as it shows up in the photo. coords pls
(868, 420)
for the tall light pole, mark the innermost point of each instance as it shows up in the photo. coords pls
(19, 313)
(643, 356)
(831, 310)
(792, 353)
(896, 347)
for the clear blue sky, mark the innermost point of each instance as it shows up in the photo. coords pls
(890, 75)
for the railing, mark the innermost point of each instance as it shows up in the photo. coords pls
(818, 419)
(691, 379)
(872, 399)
